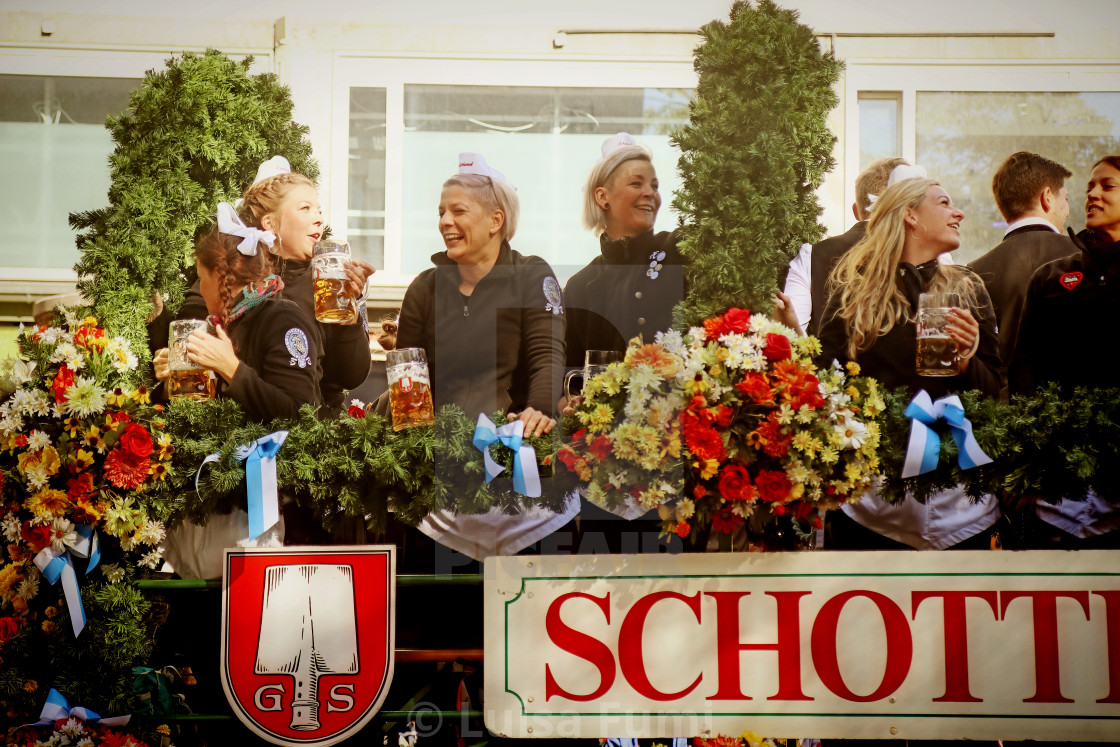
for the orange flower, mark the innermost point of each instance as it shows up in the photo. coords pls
(655, 357)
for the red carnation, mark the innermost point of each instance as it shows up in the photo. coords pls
(699, 491)
(726, 521)
(80, 486)
(735, 483)
(120, 416)
(126, 471)
(682, 529)
(773, 485)
(568, 458)
(757, 388)
(600, 448)
(356, 412)
(777, 347)
(136, 442)
(36, 537)
(63, 380)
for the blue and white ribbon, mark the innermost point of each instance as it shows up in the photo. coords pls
(260, 481)
(925, 445)
(57, 708)
(526, 479)
(55, 565)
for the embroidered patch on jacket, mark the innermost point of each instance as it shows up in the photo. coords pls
(295, 340)
(1070, 280)
(552, 296)
(655, 260)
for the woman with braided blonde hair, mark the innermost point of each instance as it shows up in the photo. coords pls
(870, 319)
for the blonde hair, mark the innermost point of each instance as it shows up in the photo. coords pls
(871, 301)
(492, 194)
(266, 196)
(872, 181)
(595, 217)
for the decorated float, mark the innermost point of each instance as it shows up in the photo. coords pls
(723, 424)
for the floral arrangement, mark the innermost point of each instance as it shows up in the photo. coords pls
(79, 450)
(73, 731)
(726, 423)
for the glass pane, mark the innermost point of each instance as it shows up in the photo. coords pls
(962, 138)
(55, 151)
(545, 140)
(878, 129)
(365, 209)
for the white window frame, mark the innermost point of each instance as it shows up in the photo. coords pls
(394, 71)
(919, 76)
(82, 61)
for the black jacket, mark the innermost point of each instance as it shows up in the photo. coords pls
(1006, 271)
(280, 355)
(1066, 332)
(502, 347)
(893, 358)
(630, 289)
(824, 257)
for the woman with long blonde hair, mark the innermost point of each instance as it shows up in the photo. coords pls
(870, 319)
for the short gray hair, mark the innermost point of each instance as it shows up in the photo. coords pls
(594, 217)
(492, 194)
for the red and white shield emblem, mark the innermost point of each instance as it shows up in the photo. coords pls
(308, 635)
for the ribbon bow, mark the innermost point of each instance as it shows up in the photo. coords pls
(229, 223)
(900, 173)
(57, 708)
(925, 445)
(526, 479)
(57, 564)
(260, 479)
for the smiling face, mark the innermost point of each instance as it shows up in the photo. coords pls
(298, 221)
(471, 232)
(934, 227)
(1102, 201)
(630, 199)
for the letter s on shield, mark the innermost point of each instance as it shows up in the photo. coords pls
(307, 639)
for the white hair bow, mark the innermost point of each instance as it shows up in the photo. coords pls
(474, 163)
(229, 223)
(273, 167)
(613, 143)
(900, 173)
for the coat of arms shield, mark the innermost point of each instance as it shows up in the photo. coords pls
(308, 635)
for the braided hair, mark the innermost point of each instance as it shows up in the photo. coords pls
(265, 198)
(218, 253)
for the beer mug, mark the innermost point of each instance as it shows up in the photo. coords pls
(595, 362)
(333, 305)
(410, 389)
(937, 353)
(188, 379)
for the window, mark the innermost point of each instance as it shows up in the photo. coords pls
(55, 149)
(967, 135)
(879, 132)
(365, 196)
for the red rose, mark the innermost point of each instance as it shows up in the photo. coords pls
(136, 441)
(736, 320)
(735, 483)
(9, 626)
(777, 348)
(600, 448)
(36, 537)
(772, 485)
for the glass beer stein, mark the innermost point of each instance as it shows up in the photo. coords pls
(937, 353)
(410, 390)
(333, 305)
(188, 379)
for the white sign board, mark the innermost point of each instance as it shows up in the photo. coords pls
(906, 645)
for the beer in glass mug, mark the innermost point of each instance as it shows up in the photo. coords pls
(410, 390)
(937, 353)
(188, 379)
(333, 305)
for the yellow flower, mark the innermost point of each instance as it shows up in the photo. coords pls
(51, 612)
(708, 470)
(164, 447)
(852, 392)
(82, 460)
(142, 395)
(30, 686)
(853, 368)
(9, 577)
(48, 626)
(159, 471)
(48, 504)
(72, 425)
(89, 321)
(164, 729)
(116, 398)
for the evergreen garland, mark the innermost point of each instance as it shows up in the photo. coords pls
(194, 136)
(756, 148)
